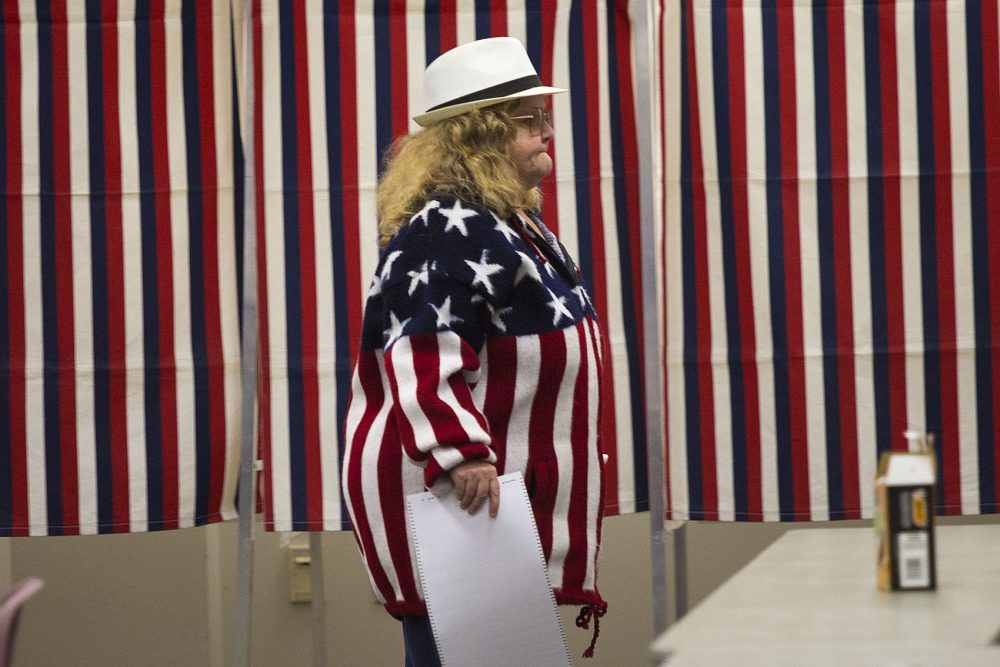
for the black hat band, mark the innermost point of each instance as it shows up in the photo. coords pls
(499, 90)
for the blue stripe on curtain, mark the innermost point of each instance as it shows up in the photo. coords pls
(150, 277)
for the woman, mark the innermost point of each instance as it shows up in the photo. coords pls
(480, 346)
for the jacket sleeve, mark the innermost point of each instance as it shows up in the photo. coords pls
(429, 376)
(436, 319)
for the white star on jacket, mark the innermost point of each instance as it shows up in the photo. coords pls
(395, 328)
(379, 278)
(504, 228)
(483, 270)
(428, 207)
(455, 217)
(421, 276)
(444, 316)
(497, 318)
(558, 306)
(528, 268)
(387, 267)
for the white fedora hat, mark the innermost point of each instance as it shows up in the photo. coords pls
(478, 74)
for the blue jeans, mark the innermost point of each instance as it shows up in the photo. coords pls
(418, 640)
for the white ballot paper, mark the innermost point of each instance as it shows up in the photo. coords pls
(485, 582)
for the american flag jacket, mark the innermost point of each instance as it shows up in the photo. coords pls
(478, 341)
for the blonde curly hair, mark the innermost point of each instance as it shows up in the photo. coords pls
(465, 156)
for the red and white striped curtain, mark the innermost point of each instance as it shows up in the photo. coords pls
(336, 83)
(830, 252)
(826, 179)
(119, 229)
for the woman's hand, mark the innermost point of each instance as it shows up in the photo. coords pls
(475, 481)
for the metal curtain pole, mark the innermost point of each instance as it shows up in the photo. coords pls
(642, 14)
(244, 574)
(317, 595)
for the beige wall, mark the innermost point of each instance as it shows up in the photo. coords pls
(166, 598)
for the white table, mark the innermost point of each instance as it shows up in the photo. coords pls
(811, 599)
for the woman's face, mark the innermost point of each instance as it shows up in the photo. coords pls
(529, 150)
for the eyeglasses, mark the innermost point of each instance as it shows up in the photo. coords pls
(539, 118)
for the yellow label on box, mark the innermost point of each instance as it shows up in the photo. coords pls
(919, 509)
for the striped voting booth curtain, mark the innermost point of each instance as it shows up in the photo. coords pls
(335, 83)
(826, 179)
(830, 252)
(119, 233)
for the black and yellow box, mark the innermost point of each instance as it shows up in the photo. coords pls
(904, 516)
